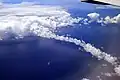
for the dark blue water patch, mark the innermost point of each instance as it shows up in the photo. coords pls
(29, 60)
(76, 12)
(49, 59)
(97, 35)
(108, 12)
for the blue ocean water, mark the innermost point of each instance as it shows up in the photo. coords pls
(35, 58)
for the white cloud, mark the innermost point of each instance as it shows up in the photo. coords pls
(22, 19)
(93, 16)
(18, 18)
(85, 79)
(107, 20)
(115, 19)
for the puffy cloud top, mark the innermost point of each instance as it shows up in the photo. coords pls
(93, 16)
(22, 19)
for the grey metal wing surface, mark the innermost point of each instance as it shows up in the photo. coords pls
(103, 2)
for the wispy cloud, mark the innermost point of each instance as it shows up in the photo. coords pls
(42, 20)
(41, 1)
(18, 18)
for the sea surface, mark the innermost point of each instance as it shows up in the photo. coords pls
(37, 58)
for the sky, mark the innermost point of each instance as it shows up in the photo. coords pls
(41, 1)
(20, 25)
(64, 3)
(75, 3)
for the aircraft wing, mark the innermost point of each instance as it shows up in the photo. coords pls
(103, 2)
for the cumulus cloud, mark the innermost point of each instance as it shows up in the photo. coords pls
(93, 16)
(85, 79)
(40, 20)
(115, 19)
(18, 18)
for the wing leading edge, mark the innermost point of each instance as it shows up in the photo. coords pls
(103, 2)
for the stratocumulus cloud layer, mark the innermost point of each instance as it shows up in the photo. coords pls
(24, 19)
(18, 19)
(96, 17)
